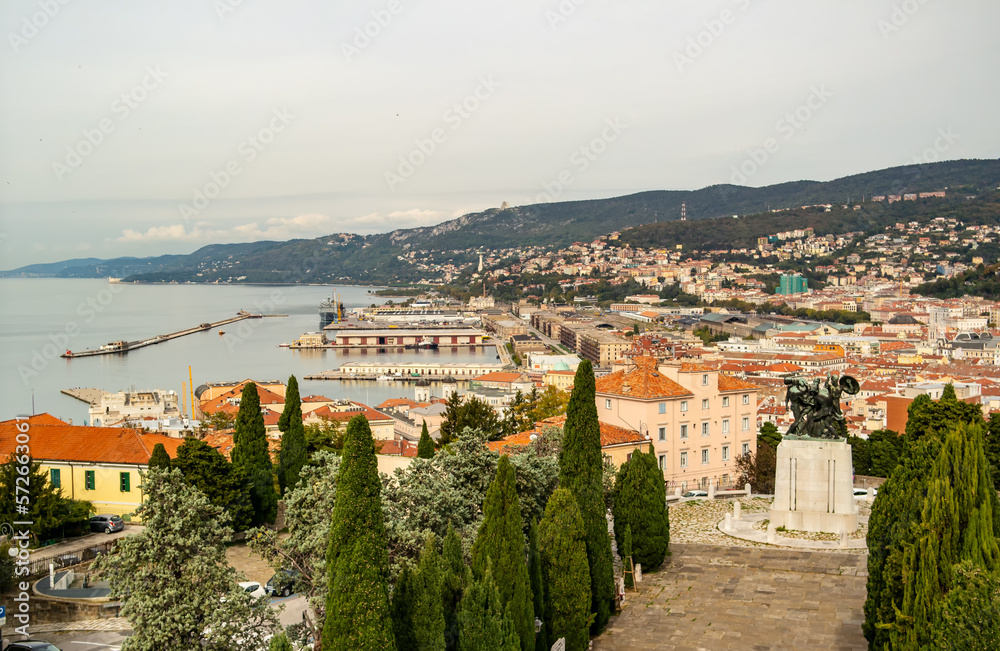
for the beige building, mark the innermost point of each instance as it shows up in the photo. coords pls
(602, 348)
(699, 421)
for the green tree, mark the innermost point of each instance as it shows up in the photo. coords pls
(159, 458)
(581, 471)
(992, 445)
(470, 412)
(250, 452)
(860, 455)
(280, 643)
(453, 574)
(926, 416)
(566, 574)
(52, 514)
(428, 609)
(885, 448)
(769, 434)
(758, 469)
(425, 448)
(307, 515)
(483, 623)
(500, 544)
(535, 574)
(225, 485)
(969, 616)
(551, 402)
(640, 503)
(627, 556)
(293, 452)
(181, 550)
(326, 436)
(402, 607)
(357, 608)
(6, 566)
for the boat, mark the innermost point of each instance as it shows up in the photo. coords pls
(331, 310)
(222, 332)
(423, 344)
(384, 378)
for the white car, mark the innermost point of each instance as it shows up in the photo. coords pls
(863, 492)
(696, 493)
(253, 588)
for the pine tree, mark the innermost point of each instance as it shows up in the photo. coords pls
(581, 471)
(428, 612)
(956, 524)
(293, 452)
(159, 458)
(250, 453)
(500, 543)
(537, 587)
(223, 483)
(640, 503)
(403, 598)
(357, 607)
(483, 624)
(425, 448)
(566, 572)
(453, 573)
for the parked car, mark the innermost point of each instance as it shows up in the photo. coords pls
(698, 493)
(107, 523)
(863, 492)
(253, 588)
(31, 645)
(282, 583)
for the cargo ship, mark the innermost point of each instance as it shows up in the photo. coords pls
(331, 311)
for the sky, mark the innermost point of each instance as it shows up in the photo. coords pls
(135, 128)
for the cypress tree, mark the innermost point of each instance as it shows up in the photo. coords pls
(250, 453)
(537, 589)
(500, 543)
(293, 453)
(159, 458)
(640, 502)
(453, 573)
(428, 613)
(425, 448)
(627, 556)
(483, 623)
(357, 605)
(566, 573)
(581, 471)
(956, 524)
(403, 598)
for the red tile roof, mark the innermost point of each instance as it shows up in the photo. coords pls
(727, 383)
(614, 435)
(325, 412)
(221, 403)
(497, 376)
(53, 440)
(644, 382)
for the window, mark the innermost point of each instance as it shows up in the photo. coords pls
(628, 457)
(746, 423)
(725, 401)
(704, 380)
(54, 478)
(663, 433)
(725, 426)
(607, 403)
(663, 462)
(725, 453)
(746, 399)
(746, 448)
(704, 428)
(684, 459)
(704, 456)
(684, 405)
(88, 480)
(684, 431)
(704, 403)
(663, 407)
(124, 479)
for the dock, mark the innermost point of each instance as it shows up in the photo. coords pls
(90, 396)
(123, 347)
(406, 371)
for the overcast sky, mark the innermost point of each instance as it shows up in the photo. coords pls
(139, 128)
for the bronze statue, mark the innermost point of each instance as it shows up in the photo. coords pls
(816, 406)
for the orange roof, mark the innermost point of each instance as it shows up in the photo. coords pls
(315, 399)
(221, 403)
(691, 367)
(614, 435)
(398, 402)
(497, 376)
(224, 444)
(727, 383)
(54, 440)
(518, 440)
(399, 448)
(170, 444)
(369, 414)
(644, 382)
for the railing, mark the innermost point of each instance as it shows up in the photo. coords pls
(40, 566)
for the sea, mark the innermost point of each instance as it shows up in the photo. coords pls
(41, 318)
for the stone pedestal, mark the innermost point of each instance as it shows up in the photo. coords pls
(814, 487)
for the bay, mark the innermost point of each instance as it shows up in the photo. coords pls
(41, 318)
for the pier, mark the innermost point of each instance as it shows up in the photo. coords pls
(122, 347)
(405, 371)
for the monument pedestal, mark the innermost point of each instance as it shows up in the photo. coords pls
(814, 487)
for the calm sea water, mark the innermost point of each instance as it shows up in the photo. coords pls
(41, 318)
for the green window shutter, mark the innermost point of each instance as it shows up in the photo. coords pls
(124, 482)
(54, 478)
(89, 480)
